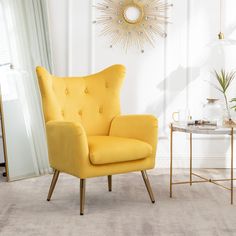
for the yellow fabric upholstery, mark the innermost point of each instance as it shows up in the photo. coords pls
(67, 145)
(86, 134)
(92, 100)
(109, 149)
(142, 127)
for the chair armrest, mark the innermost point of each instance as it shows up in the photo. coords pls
(142, 127)
(67, 146)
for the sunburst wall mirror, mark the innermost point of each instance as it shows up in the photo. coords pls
(132, 23)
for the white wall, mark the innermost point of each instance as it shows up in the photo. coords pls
(162, 80)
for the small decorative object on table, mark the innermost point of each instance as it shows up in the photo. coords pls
(224, 80)
(181, 116)
(212, 110)
(203, 124)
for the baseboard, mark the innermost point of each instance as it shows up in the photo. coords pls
(198, 162)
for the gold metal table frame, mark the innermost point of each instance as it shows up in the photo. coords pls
(175, 127)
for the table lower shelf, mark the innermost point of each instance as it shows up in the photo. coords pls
(205, 180)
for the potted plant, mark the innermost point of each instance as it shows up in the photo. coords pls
(224, 80)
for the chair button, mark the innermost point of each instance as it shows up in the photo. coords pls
(62, 113)
(66, 91)
(100, 110)
(106, 85)
(86, 91)
(80, 113)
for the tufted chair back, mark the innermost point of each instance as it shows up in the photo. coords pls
(93, 100)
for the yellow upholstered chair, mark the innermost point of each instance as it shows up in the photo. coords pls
(87, 136)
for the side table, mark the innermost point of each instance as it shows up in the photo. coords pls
(177, 127)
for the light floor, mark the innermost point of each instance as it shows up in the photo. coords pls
(203, 209)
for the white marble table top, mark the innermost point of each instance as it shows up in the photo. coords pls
(201, 129)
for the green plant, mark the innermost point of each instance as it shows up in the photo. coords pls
(233, 100)
(224, 80)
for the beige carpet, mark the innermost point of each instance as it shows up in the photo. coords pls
(202, 209)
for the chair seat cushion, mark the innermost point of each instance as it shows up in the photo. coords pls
(110, 149)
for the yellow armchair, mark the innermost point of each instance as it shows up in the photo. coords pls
(87, 136)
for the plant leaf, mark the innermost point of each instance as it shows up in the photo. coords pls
(233, 100)
(224, 79)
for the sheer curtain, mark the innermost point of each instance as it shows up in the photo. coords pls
(27, 26)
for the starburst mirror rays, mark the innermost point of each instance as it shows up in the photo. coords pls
(132, 23)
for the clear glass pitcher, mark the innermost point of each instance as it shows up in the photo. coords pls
(212, 110)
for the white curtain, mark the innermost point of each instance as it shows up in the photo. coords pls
(28, 34)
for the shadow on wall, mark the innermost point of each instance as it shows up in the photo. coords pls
(130, 90)
(231, 30)
(215, 59)
(173, 88)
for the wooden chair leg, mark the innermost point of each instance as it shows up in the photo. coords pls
(148, 186)
(109, 177)
(53, 184)
(82, 195)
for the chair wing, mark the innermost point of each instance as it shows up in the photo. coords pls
(92, 100)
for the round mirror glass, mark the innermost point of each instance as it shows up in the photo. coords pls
(133, 14)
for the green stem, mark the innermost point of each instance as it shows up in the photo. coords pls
(227, 106)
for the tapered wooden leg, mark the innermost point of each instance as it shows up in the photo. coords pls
(109, 177)
(82, 195)
(191, 159)
(232, 166)
(53, 184)
(171, 158)
(148, 186)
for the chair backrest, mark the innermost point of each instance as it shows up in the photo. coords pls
(93, 100)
